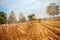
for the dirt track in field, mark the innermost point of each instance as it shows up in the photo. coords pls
(46, 30)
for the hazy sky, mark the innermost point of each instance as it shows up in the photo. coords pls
(38, 7)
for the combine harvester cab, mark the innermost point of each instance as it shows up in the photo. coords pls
(32, 18)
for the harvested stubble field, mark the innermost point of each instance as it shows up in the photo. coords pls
(45, 30)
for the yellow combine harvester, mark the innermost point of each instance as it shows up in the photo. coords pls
(32, 17)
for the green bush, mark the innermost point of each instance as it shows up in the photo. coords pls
(2, 17)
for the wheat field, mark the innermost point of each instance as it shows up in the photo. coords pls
(45, 30)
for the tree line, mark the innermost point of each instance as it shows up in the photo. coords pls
(52, 9)
(11, 18)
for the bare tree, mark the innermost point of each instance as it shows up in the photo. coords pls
(12, 18)
(21, 17)
(53, 9)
